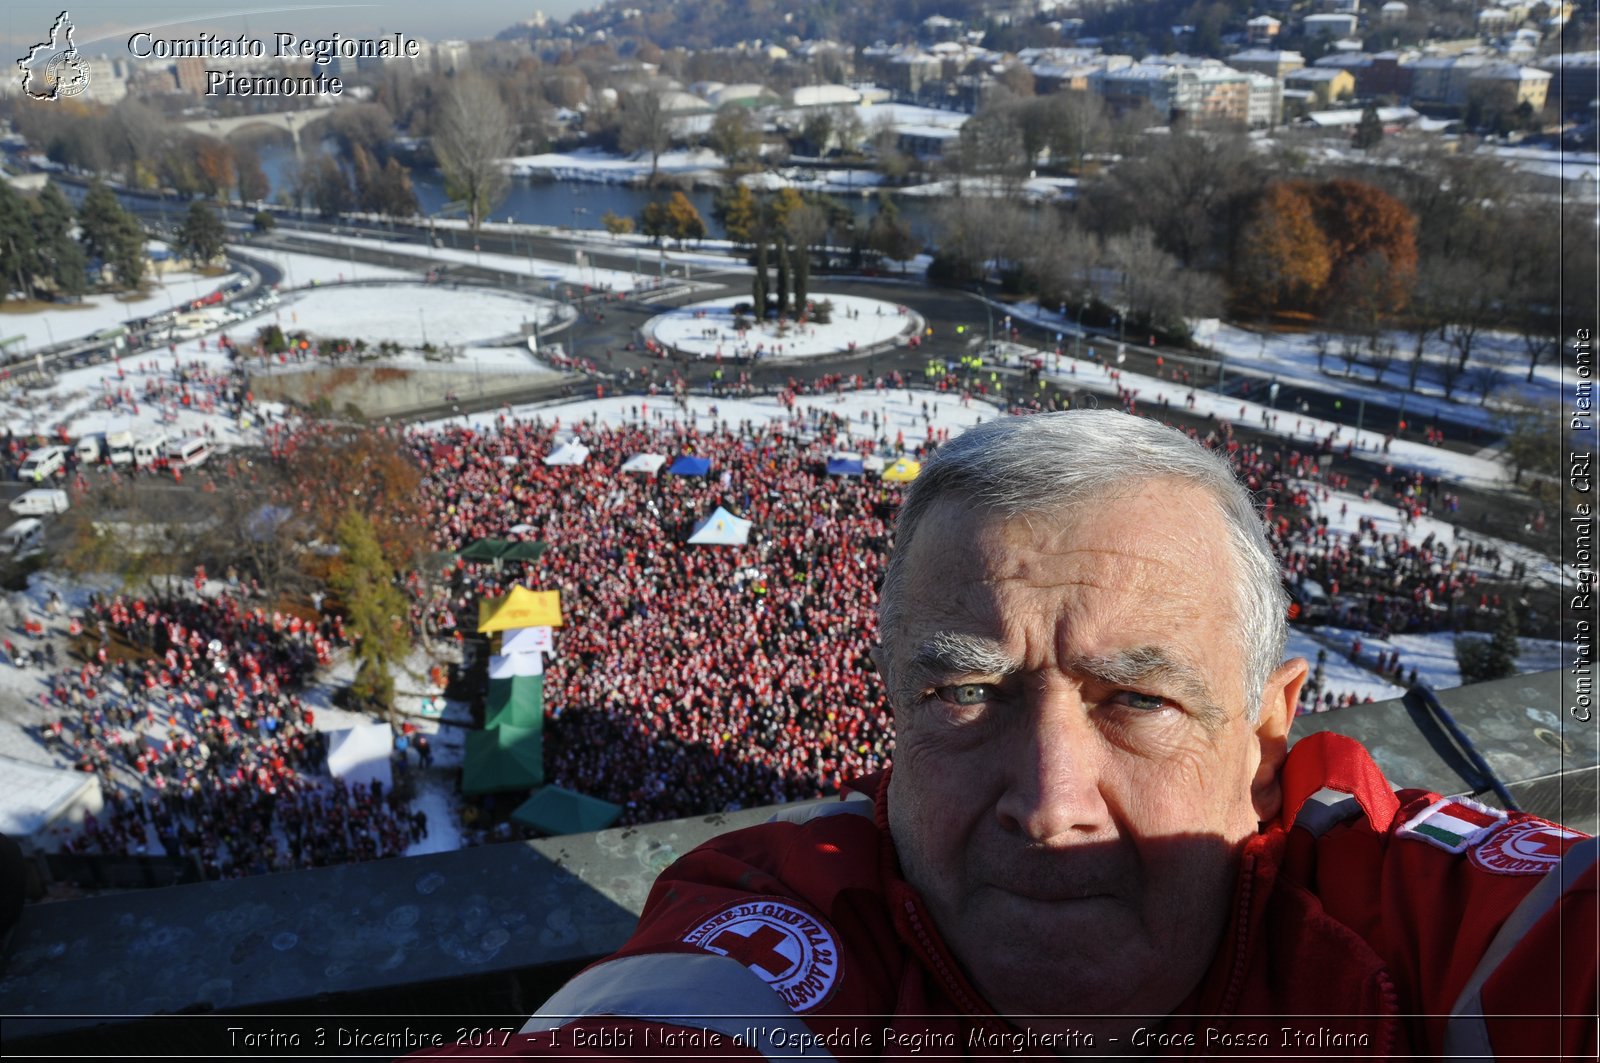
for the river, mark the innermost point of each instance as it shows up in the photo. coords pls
(580, 204)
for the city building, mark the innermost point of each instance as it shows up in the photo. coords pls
(1327, 85)
(1262, 29)
(1272, 63)
(1505, 87)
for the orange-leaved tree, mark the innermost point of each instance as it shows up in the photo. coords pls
(1283, 261)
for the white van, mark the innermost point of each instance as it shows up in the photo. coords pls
(91, 448)
(24, 537)
(187, 453)
(119, 448)
(148, 450)
(39, 501)
(42, 463)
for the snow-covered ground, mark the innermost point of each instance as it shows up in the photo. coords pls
(305, 270)
(569, 273)
(413, 314)
(706, 330)
(86, 400)
(54, 324)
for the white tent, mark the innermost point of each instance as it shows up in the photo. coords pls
(527, 640)
(645, 463)
(721, 529)
(511, 665)
(571, 452)
(36, 800)
(360, 754)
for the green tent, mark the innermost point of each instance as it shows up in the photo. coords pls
(557, 810)
(523, 551)
(504, 758)
(484, 549)
(518, 701)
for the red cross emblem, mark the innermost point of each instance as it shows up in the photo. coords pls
(756, 949)
(789, 947)
(1531, 847)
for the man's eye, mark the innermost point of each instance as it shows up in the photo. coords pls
(966, 693)
(1135, 700)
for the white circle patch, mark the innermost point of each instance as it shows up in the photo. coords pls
(793, 951)
(1531, 847)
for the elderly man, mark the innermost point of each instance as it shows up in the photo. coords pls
(1093, 839)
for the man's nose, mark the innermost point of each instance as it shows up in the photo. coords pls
(1052, 767)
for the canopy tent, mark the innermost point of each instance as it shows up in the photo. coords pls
(845, 465)
(516, 701)
(903, 471)
(523, 552)
(36, 802)
(502, 758)
(645, 463)
(512, 665)
(501, 550)
(571, 452)
(721, 529)
(557, 810)
(264, 522)
(360, 754)
(520, 608)
(483, 549)
(527, 640)
(689, 465)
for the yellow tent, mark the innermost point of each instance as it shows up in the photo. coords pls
(902, 471)
(520, 608)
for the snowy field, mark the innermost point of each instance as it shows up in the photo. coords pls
(706, 330)
(57, 324)
(413, 314)
(93, 399)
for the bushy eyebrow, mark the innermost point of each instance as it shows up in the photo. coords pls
(1152, 666)
(955, 653)
(948, 653)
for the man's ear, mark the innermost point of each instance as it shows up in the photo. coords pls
(1279, 699)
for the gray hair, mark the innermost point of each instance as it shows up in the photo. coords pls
(1047, 462)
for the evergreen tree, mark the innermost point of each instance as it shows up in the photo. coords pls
(201, 236)
(783, 276)
(758, 291)
(1492, 658)
(375, 610)
(888, 234)
(802, 278)
(1369, 131)
(16, 243)
(57, 255)
(99, 222)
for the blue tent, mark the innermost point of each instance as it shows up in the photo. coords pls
(689, 465)
(845, 467)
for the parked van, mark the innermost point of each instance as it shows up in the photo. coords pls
(187, 453)
(119, 448)
(91, 449)
(24, 537)
(150, 449)
(43, 463)
(39, 501)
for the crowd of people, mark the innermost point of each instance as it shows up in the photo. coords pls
(188, 710)
(685, 679)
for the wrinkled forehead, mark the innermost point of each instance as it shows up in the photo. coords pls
(1161, 535)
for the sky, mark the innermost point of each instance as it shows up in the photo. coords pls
(103, 27)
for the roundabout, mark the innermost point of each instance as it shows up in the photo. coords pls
(836, 324)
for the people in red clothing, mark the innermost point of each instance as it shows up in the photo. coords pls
(1093, 839)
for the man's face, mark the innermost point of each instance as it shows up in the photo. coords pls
(1074, 769)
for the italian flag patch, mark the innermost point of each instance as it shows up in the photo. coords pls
(1452, 823)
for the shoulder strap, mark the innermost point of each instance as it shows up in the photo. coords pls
(1466, 1032)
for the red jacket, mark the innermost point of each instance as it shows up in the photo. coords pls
(1360, 924)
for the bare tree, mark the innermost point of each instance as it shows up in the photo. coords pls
(472, 137)
(646, 126)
